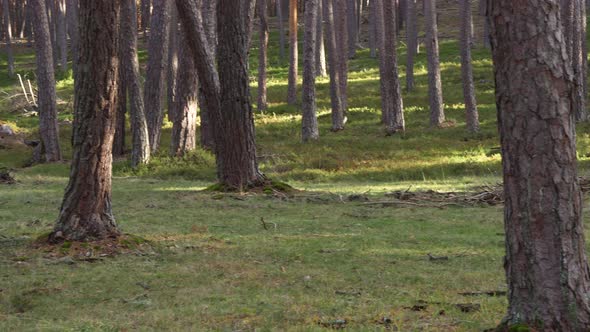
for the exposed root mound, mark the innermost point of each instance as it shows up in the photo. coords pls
(5, 177)
(267, 187)
(94, 250)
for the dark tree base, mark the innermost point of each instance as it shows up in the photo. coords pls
(75, 229)
(264, 186)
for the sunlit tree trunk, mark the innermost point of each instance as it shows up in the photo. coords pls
(293, 56)
(263, 55)
(437, 114)
(412, 42)
(333, 68)
(309, 127)
(471, 114)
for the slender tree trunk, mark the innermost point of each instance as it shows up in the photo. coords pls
(173, 49)
(119, 138)
(437, 114)
(184, 128)
(72, 23)
(320, 55)
(392, 114)
(61, 35)
(546, 265)
(140, 152)
(263, 55)
(483, 11)
(155, 71)
(412, 42)
(466, 68)
(48, 127)
(281, 24)
(8, 36)
(352, 27)
(86, 209)
(341, 28)
(146, 11)
(236, 153)
(292, 88)
(332, 50)
(52, 20)
(578, 61)
(372, 29)
(309, 121)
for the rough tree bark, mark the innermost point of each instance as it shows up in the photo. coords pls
(140, 151)
(546, 265)
(412, 42)
(119, 138)
(472, 117)
(72, 24)
(309, 121)
(293, 57)
(392, 113)
(8, 37)
(332, 50)
(209, 18)
(437, 114)
(48, 127)
(341, 29)
(263, 55)
(86, 212)
(173, 49)
(155, 71)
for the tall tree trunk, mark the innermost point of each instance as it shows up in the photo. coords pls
(392, 113)
(61, 35)
(372, 29)
(146, 10)
(472, 116)
(263, 55)
(48, 127)
(332, 50)
(173, 49)
(309, 121)
(352, 27)
(72, 24)
(546, 265)
(292, 87)
(320, 54)
(155, 71)
(209, 19)
(119, 138)
(437, 114)
(8, 36)
(578, 61)
(86, 209)
(184, 128)
(52, 20)
(236, 153)
(140, 152)
(341, 27)
(483, 11)
(280, 22)
(412, 42)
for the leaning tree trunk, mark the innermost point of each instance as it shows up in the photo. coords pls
(140, 151)
(309, 120)
(236, 152)
(263, 55)
(155, 71)
(546, 265)
(292, 87)
(332, 50)
(184, 128)
(8, 36)
(392, 113)
(466, 68)
(48, 127)
(86, 209)
(412, 42)
(72, 24)
(437, 114)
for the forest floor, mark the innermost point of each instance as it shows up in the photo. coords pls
(323, 257)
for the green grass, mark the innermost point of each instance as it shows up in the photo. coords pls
(216, 268)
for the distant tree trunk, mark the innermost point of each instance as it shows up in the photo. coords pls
(72, 23)
(8, 36)
(86, 212)
(292, 88)
(412, 42)
(483, 11)
(578, 61)
(352, 28)
(236, 155)
(145, 15)
(372, 29)
(61, 35)
(171, 76)
(466, 68)
(341, 28)
(263, 55)
(155, 73)
(332, 50)
(48, 127)
(437, 114)
(184, 128)
(309, 121)
(281, 24)
(140, 153)
(52, 20)
(119, 138)
(320, 55)
(392, 113)
(546, 265)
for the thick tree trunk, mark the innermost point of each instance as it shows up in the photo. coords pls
(8, 36)
(263, 55)
(48, 127)
(236, 153)
(341, 29)
(309, 121)
(320, 54)
(472, 117)
(72, 18)
(155, 71)
(209, 18)
(412, 42)
(86, 209)
(332, 50)
(184, 128)
(546, 266)
(437, 114)
(173, 49)
(392, 113)
(61, 35)
(281, 24)
(140, 152)
(293, 56)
